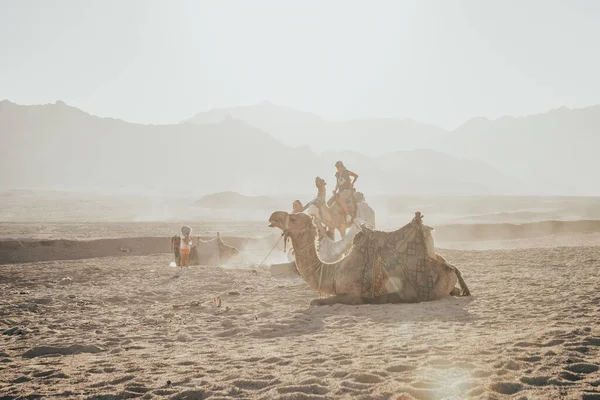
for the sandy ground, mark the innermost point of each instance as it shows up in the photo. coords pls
(111, 328)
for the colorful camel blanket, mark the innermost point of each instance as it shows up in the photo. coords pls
(397, 262)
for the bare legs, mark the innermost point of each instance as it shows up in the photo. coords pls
(342, 198)
(185, 258)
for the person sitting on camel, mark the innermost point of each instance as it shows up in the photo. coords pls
(297, 207)
(344, 188)
(318, 201)
(364, 213)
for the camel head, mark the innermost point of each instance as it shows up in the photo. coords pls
(358, 197)
(291, 223)
(320, 182)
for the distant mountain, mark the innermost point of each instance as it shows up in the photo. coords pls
(555, 152)
(296, 128)
(233, 200)
(58, 146)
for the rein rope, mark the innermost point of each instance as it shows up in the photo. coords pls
(304, 249)
(217, 299)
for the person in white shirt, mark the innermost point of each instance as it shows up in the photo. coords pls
(185, 246)
(364, 213)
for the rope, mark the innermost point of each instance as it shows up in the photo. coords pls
(320, 278)
(320, 269)
(217, 298)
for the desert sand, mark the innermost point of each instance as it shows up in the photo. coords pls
(90, 309)
(130, 326)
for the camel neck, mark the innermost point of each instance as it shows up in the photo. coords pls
(315, 272)
(321, 192)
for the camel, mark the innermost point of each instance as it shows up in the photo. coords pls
(212, 252)
(330, 212)
(207, 252)
(382, 267)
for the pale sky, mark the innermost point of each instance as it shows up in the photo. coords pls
(440, 62)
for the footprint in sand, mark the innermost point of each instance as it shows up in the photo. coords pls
(21, 379)
(401, 368)
(271, 360)
(339, 374)
(42, 374)
(582, 368)
(49, 350)
(305, 389)
(191, 394)
(366, 378)
(137, 388)
(506, 387)
(535, 380)
(186, 363)
(122, 379)
(253, 384)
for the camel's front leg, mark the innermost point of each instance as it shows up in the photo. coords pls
(338, 299)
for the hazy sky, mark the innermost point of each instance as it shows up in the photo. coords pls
(440, 62)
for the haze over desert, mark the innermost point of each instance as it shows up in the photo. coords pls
(299, 201)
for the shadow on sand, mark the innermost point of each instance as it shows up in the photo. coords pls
(314, 319)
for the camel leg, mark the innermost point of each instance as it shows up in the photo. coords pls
(464, 289)
(338, 299)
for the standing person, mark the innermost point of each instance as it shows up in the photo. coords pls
(185, 246)
(344, 187)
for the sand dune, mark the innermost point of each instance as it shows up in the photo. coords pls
(47, 247)
(131, 327)
(29, 250)
(467, 232)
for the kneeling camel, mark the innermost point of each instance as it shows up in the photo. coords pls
(382, 267)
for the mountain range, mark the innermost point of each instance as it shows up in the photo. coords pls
(372, 136)
(550, 153)
(242, 149)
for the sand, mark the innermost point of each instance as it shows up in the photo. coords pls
(124, 327)
(83, 319)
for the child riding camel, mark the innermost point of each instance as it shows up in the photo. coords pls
(344, 187)
(317, 202)
(297, 207)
